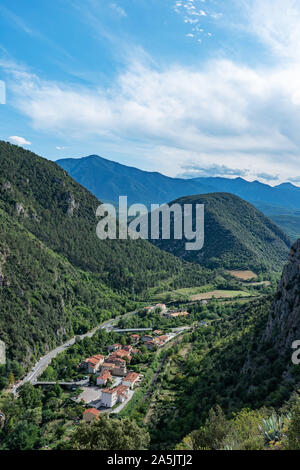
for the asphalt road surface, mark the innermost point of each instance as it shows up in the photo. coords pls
(44, 361)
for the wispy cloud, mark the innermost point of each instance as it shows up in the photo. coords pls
(276, 23)
(224, 112)
(15, 139)
(223, 116)
(119, 10)
(17, 21)
(196, 171)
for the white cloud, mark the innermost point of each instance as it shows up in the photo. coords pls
(222, 113)
(120, 11)
(192, 13)
(276, 23)
(19, 140)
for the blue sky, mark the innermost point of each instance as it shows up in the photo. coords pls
(184, 87)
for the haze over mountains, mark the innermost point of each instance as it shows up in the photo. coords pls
(107, 180)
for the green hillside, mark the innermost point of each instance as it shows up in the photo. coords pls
(230, 365)
(237, 236)
(56, 277)
(43, 298)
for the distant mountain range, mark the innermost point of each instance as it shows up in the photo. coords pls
(107, 180)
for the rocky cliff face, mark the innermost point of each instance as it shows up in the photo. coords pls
(283, 325)
(2, 353)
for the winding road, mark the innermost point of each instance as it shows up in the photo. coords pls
(44, 361)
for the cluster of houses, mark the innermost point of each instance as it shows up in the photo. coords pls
(157, 339)
(180, 313)
(106, 368)
(167, 313)
(115, 364)
(111, 396)
(161, 307)
(152, 342)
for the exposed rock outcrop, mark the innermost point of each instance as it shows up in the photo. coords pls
(6, 186)
(283, 325)
(20, 209)
(72, 204)
(2, 419)
(4, 252)
(2, 353)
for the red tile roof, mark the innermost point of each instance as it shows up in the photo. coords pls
(131, 377)
(94, 360)
(179, 314)
(120, 389)
(105, 375)
(119, 354)
(92, 411)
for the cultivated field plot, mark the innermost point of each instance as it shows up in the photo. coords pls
(243, 275)
(261, 283)
(184, 293)
(220, 294)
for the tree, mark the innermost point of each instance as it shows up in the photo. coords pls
(109, 434)
(30, 396)
(211, 436)
(24, 437)
(293, 432)
(11, 379)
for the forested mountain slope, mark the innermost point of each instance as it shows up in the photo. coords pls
(61, 213)
(236, 235)
(56, 277)
(243, 360)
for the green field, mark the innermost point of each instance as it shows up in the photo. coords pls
(198, 293)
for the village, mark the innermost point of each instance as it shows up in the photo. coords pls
(114, 380)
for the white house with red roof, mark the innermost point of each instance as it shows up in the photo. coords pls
(111, 396)
(92, 364)
(157, 332)
(177, 314)
(104, 377)
(120, 354)
(131, 379)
